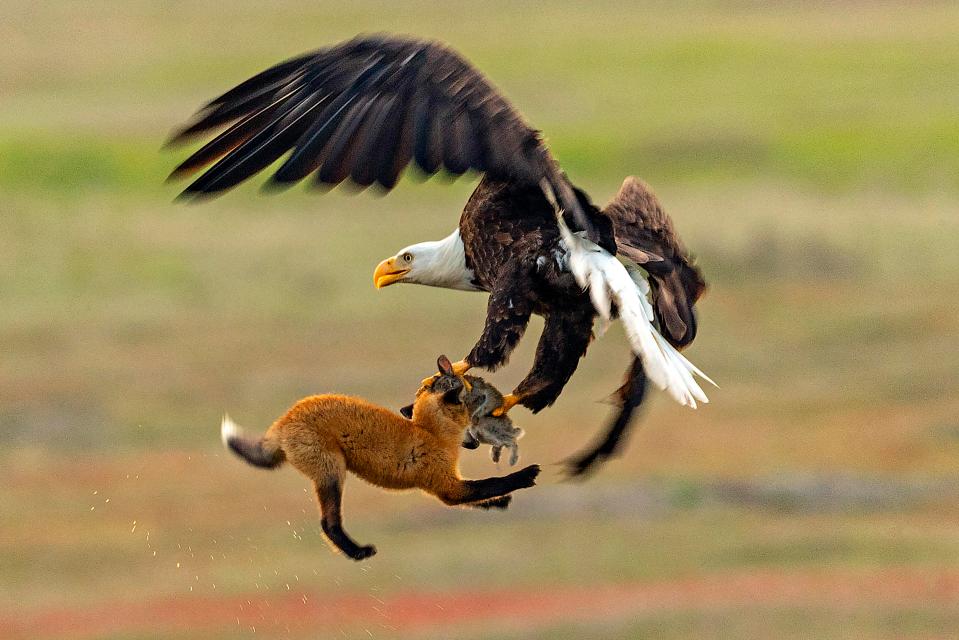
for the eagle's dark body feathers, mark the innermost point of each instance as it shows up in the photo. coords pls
(514, 249)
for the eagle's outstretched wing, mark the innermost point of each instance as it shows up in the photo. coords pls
(645, 235)
(362, 110)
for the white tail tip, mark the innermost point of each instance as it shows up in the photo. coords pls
(228, 429)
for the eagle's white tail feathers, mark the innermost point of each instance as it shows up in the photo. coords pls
(598, 293)
(608, 280)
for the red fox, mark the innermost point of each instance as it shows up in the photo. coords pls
(325, 436)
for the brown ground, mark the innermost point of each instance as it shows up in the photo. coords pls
(422, 611)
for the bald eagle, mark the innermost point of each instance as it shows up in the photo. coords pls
(364, 108)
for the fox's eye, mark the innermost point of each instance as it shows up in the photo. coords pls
(407, 257)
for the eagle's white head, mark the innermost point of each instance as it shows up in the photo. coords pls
(440, 263)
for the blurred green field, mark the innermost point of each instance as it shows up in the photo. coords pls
(810, 158)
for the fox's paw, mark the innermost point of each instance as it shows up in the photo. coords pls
(526, 477)
(364, 552)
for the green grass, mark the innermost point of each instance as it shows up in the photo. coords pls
(809, 157)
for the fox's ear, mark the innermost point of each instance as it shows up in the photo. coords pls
(444, 366)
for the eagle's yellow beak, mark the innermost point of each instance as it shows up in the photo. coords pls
(386, 273)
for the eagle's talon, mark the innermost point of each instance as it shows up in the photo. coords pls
(509, 401)
(461, 367)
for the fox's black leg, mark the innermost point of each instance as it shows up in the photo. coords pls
(466, 491)
(330, 495)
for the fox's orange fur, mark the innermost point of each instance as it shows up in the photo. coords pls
(325, 436)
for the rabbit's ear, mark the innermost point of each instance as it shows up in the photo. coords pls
(444, 366)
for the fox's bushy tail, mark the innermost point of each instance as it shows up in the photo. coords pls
(259, 452)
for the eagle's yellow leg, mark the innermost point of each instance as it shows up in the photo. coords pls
(510, 400)
(459, 368)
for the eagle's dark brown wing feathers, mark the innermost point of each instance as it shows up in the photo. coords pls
(308, 115)
(231, 138)
(268, 80)
(372, 105)
(328, 139)
(645, 235)
(363, 110)
(243, 99)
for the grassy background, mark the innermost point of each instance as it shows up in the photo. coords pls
(809, 157)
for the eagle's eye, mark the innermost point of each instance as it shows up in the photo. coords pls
(407, 257)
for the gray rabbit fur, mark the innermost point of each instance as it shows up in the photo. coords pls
(482, 399)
